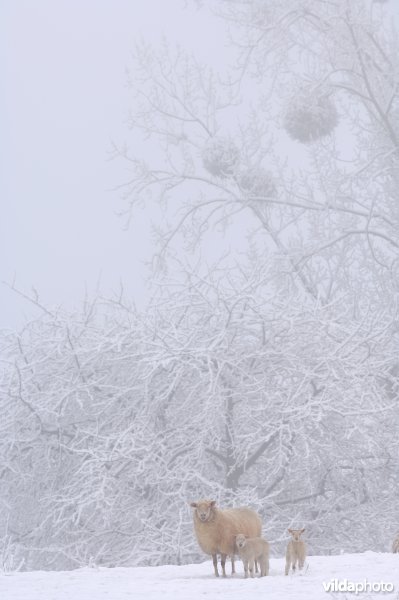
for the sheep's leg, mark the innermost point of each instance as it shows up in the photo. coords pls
(215, 564)
(301, 563)
(223, 563)
(261, 567)
(251, 567)
(233, 568)
(245, 568)
(256, 567)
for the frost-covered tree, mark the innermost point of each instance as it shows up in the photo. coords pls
(320, 80)
(322, 74)
(115, 419)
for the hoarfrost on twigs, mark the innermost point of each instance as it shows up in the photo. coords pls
(220, 156)
(310, 115)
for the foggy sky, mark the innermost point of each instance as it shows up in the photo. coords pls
(66, 99)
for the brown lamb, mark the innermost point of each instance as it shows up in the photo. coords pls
(250, 550)
(296, 551)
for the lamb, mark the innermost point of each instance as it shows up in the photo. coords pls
(216, 529)
(252, 549)
(296, 551)
(395, 545)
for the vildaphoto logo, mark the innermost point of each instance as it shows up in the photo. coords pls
(358, 587)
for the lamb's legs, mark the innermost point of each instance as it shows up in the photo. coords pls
(262, 565)
(287, 566)
(245, 568)
(223, 563)
(233, 568)
(251, 568)
(215, 564)
(256, 567)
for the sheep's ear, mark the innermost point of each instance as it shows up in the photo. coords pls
(289, 530)
(302, 530)
(193, 504)
(212, 503)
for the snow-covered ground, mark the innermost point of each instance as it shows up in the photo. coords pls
(192, 582)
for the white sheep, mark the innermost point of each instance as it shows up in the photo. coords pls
(296, 551)
(251, 550)
(216, 529)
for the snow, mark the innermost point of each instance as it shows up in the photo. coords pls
(193, 582)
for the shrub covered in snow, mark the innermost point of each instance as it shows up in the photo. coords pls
(310, 115)
(220, 156)
(257, 182)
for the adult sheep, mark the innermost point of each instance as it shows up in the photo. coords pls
(216, 530)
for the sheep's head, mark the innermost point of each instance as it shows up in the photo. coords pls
(241, 540)
(296, 534)
(204, 509)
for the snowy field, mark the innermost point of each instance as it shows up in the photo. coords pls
(191, 582)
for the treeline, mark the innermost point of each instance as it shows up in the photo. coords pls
(113, 420)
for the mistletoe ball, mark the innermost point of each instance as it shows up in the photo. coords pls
(220, 157)
(310, 115)
(257, 181)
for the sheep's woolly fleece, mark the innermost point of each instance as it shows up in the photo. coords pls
(195, 582)
(219, 533)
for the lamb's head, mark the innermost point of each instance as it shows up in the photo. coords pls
(241, 540)
(296, 534)
(204, 509)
